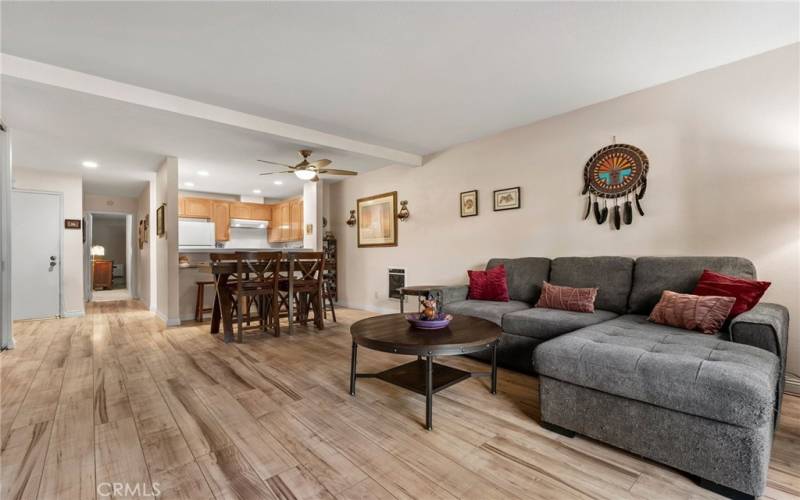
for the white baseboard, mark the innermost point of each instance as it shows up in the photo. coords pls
(73, 314)
(168, 321)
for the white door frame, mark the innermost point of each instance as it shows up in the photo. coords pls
(60, 260)
(6, 326)
(130, 261)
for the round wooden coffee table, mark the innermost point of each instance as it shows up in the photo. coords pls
(392, 333)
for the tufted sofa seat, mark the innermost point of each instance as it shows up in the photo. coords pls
(668, 367)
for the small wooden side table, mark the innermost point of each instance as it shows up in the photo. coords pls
(421, 291)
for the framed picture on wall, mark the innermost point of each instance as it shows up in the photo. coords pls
(506, 199)
(377, 220)
(160, 229)
(469, 203)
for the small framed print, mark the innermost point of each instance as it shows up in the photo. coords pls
(72, 223)
(469, 203)
(506, 199)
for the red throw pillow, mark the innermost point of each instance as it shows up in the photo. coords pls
(567, 298)
(488, 285)
(747, 292)
(693, 312)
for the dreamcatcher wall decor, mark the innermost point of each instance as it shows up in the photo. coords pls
(614, 172)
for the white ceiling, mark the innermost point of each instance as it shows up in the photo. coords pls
(415, 76)
(56, 129)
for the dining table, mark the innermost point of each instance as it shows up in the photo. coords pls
(223, 298)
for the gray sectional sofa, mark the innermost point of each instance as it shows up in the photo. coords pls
(703, 404)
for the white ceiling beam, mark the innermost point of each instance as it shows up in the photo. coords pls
(48, 74)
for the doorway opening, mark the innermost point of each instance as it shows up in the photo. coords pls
(110, 273)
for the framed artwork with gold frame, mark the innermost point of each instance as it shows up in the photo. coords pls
(377, 220)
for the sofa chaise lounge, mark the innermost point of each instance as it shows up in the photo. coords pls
(704, 404)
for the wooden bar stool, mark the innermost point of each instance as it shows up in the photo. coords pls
(198, 307)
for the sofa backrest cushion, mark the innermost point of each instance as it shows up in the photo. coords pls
(524, 276)
(611, 275)
(653, 275)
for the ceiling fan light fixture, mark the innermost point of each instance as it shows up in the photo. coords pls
(305, 175)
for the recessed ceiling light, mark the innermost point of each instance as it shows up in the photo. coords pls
(203, 173)
(189, 184)
(90, 164)
(257, 191)
(278, 183)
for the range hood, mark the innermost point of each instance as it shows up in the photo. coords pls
(249, 224)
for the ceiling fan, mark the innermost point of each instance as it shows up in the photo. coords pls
(308, 171)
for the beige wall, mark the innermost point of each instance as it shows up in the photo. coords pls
(72, 259)
(103, 203)
(167, 245)
(724, 177)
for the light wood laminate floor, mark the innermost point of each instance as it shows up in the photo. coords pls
(114, 397)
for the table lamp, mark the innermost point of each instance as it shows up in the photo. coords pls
(97, 251)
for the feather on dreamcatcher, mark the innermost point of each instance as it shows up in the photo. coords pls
(614, 172)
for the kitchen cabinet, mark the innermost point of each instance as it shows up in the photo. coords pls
(199, 208)
(287, 221)
(260, 212)
(251, 211)
(240, 211)
(296, 215)
(221, 217)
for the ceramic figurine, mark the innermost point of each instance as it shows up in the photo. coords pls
(429, 311)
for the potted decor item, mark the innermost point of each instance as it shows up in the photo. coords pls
(429, 318)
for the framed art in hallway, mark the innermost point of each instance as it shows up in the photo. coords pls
(506, 199)
(377, 220)
(160, 228)
(469, 203)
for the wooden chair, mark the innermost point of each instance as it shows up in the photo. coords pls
(199, 306)
(327, 300)
(257, 275)
(308, 268)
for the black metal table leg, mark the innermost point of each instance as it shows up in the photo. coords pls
(353, 370)
(402, 302)
(494, 368)
(429, 393)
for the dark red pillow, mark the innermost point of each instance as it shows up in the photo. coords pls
(747, 292)
(488, 285)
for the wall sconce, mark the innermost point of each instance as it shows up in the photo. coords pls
(403, 214)
(352, 220)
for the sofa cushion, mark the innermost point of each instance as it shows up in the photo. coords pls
(543, 323)
(653, 275)
(524, 276)
(611, 275)
(486, 309)
(668, 367)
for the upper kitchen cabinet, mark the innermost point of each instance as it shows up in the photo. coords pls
(287, 221)
(198, 208)
(221, 216)
(252, 211)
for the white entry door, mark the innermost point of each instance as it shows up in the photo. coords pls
(35, 255)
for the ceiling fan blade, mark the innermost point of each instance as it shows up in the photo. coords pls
(284, 172)
(334, 171)
(276, 163)
(321, 163)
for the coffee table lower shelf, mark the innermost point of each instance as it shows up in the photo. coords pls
(414, 377)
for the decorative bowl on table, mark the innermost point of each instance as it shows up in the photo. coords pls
(417, 320)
